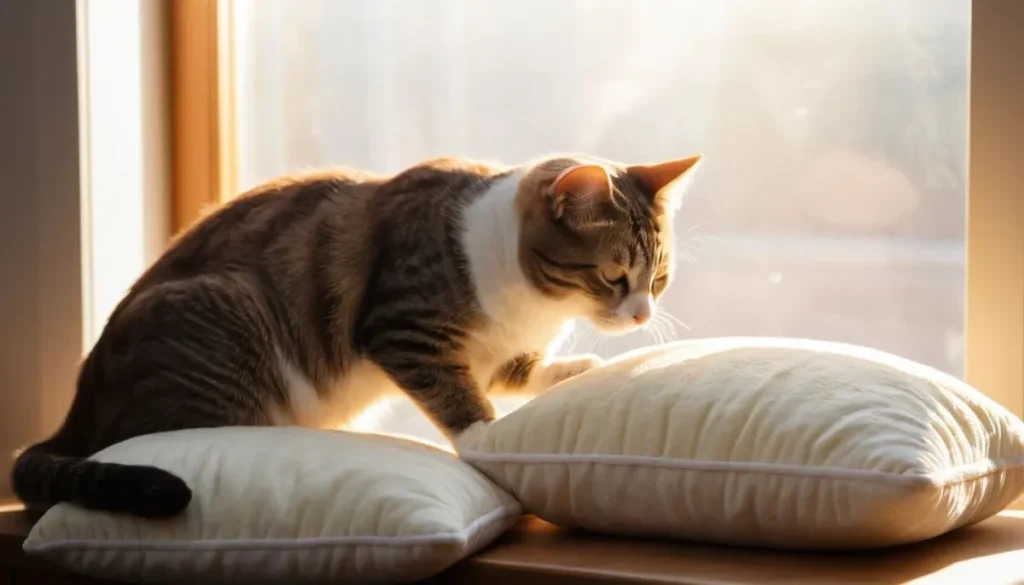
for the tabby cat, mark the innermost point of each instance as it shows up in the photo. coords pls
(307, 299)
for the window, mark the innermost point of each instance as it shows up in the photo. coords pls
(833, 199)
(832, 204)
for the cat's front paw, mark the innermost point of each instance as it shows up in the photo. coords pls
(565, 368)
(470, 436)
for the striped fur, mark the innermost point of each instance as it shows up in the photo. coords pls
(306, 300)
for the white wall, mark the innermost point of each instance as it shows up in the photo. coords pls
(40, 252)
(84, 190)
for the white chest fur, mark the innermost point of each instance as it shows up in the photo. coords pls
(521, 319)
(341, 406)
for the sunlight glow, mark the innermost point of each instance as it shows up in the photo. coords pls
(831, 205)
(113, 165)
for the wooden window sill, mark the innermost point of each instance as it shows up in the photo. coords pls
(546, 554)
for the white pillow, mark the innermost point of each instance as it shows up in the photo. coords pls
(775, 442)
(288, 504)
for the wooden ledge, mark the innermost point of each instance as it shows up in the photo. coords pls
(990, 553)
(17, 568)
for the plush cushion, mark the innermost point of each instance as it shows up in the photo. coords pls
(287, 504)
(775, 442)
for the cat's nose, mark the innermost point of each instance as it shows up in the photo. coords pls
(642, 312)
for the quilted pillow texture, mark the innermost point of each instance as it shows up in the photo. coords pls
(288, 505)
(771, 442)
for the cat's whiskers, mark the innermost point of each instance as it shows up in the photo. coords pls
(676, 320)
(660, 330)
(572, 341)
(653, 332)
(687, 245)
(665, 327)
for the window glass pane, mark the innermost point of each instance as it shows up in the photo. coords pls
(832, 201)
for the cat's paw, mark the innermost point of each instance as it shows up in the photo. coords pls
(565, 368)
(470, 436)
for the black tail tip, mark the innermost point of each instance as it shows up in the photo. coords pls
(145, 491)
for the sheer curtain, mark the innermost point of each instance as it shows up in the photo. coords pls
(832, 201)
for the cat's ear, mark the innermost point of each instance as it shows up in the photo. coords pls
(667, 181)
(579, 190)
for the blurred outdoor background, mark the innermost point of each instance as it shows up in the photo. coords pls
(832, 201)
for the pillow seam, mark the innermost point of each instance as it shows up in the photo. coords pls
(951, 476)
(480, 524)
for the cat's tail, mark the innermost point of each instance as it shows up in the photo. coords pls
(53, 471)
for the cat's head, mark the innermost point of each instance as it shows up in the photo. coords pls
(598, 234)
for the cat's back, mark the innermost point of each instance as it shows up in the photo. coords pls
(324, 228)
(287, 214)
(434, 186)
(280, 217)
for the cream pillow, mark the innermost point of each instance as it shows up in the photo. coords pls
(287, 504)
(774, 442)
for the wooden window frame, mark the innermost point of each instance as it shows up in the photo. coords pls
(205, 169)
(202, 68)
(994, 332)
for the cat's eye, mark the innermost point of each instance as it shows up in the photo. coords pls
(620, 282)
(563, 265)
(659, 284)
(623, 284)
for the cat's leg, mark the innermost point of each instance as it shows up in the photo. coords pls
(421, 348)
(183, 355)
(560, 369)
(441, 386)
(527, 374)
(189, 354)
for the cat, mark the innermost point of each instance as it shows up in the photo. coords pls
(307, 299)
